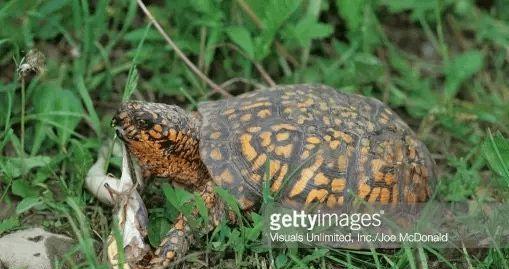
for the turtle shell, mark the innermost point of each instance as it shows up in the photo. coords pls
(313, 144)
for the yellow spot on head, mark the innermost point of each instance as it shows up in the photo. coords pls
(154, 134)
(173, 134)
(144, 136)
(158, 128)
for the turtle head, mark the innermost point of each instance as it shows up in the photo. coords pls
(141, 121)
(164, 138)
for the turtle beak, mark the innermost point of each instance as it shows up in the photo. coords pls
(120, 133)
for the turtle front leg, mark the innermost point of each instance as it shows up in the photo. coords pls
(177, 241)
(174, 244)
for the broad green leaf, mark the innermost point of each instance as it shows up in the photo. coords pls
(202, 208)
(27, 203)
(43, 102)
(417, 8)
(176, 196)
(87, 100)
(496, 151)
(55, 108)
(492, 29)
(8, 224)
(461, 68)
(278, 11)
(214, 36)
(361, 22)
(16, 167)
(281, 260)
(157, 228)
(23, 189)
(67, 102)
(352, 12)
(308, 29)
(263, 44)
(230, 200)
(253, 233)
(241, 37)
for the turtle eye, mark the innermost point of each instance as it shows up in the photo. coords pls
(143, 123)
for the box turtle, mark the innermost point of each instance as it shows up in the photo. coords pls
(341, 146)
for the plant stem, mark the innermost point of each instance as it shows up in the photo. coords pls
(22, 138)
(182, 56)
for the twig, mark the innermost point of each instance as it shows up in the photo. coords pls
(182, 56)
(265, 75)
(231, 81)
(250, 13)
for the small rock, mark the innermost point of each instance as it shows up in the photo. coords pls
(32, 248)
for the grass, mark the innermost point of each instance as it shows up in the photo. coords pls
(443, 65)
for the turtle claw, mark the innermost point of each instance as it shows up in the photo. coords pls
(174, 245)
